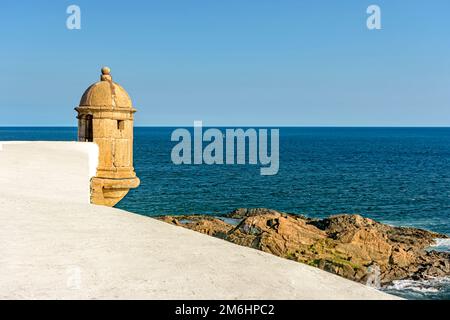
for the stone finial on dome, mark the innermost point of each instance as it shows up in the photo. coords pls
(106, 74)
(106, 93)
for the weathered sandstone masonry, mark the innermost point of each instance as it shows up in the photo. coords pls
(105, 116)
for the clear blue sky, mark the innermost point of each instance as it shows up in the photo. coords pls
(233, 62)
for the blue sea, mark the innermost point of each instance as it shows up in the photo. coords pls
(399, 176)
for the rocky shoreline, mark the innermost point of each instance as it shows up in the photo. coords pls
(351, 246)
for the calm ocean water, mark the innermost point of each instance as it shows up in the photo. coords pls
(399, 176)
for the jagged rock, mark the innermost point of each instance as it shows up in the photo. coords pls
(348, 245)
(401, 257)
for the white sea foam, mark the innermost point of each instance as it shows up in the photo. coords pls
(436, 288)
(434, 285)
(441, 245)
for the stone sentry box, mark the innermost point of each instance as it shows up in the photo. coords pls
(105, 116)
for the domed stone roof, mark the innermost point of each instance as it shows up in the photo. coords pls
(106, 93)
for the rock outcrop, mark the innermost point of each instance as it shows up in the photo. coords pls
(352, 246)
